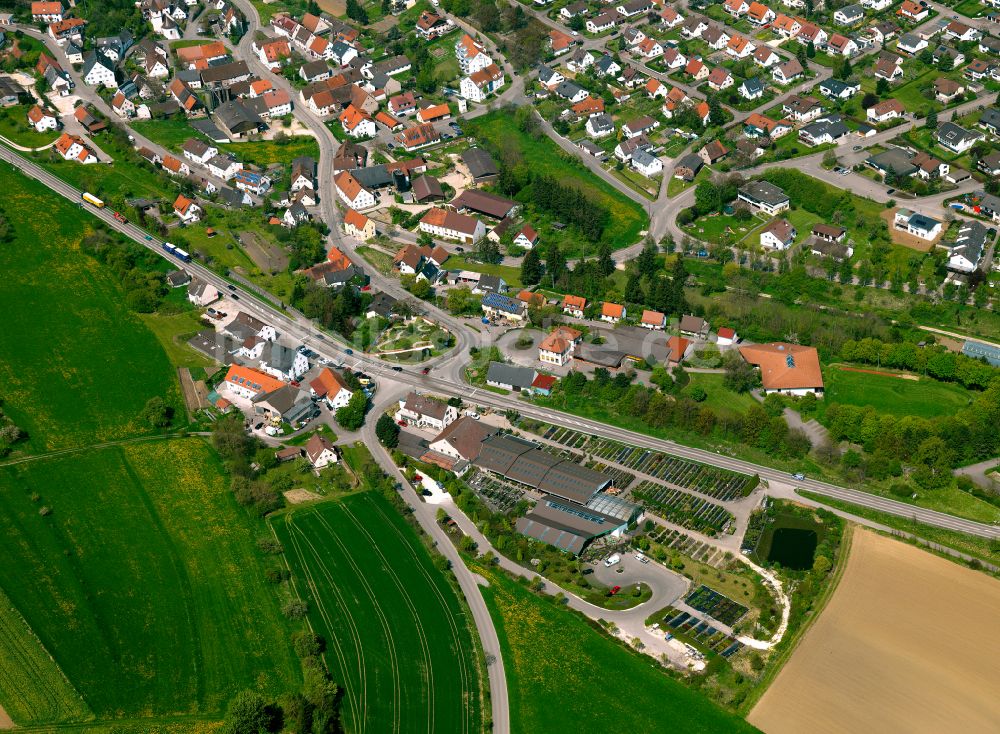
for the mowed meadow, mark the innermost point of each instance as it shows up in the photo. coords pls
(399, 639)
(132, 590)
(563, 676)
(76, 366)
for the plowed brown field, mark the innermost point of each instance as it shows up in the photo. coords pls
(908, 644)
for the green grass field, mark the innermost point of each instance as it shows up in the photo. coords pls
(563, 676)
(924, 398)
(720, 398)
(33, 687)
(510, 274)
(144, 581)
(627, 216)
(76, 366)
(398, 639)
(174, 132)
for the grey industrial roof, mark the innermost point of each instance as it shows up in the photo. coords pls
(500, 452)
(573, 482)
(508, 374)
(978, 350)
(531, 467)
(479, 162)
(564, 525)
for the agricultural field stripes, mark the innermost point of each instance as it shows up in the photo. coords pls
(147, 587)
(32, 687)
(721, 484)
(398, 639)
(682, 508)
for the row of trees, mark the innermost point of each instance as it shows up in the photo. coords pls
(135, 267)
(934, 360)
(761, 427)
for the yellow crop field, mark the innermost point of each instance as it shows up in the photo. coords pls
(907, 644)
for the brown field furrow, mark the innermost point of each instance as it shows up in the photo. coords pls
(907, 644)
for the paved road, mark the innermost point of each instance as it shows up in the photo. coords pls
(426, 516)
(302, 329)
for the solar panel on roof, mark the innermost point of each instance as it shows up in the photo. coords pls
(790, 360)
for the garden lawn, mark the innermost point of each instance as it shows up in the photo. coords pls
(627, 217)
(720, 398)
(923, 398)
(173, 332)
(398, 636)
(263, 153)
(14, 126)
(510, 274)
(145, 582)
(76, 366)
(564, 676)
(170, 133)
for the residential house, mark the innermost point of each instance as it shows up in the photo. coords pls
(497, 306)
(653, 320)
(765, 56)
(433, 113)
(358, 225)
(911, 43)
(956, 138)
(320, 451)
(848, 15)
(917, 224)
(600, 126)
(678, 348)
(527, 238)
(558, 346)
(837, 89)
(452, 225)
(352, 193)
(726, 336)
(824, 130)
(802, 109)
(73, 148)
(759, 14)
(947, 90)
(713, 152)
(889, 67)
(330, 387)
(839, 45)
(574, 305)
(46, 12)
(752, 89)
(42, 120)
(958, 31)
(605, 21)
(720, 78)
(884, 111)
(912, 10)
(740, 47)
(478, 86)
(966, 252)
(790, 369)
(424, 411)
(471, 55)
(763, 196)
(186, 209)
(612, 312)
(98, 70)
(780, 234)
(787, 72)
(357, 123)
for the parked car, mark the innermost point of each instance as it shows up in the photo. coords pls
(615, 590)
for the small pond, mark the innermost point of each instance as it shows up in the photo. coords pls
(793, 548)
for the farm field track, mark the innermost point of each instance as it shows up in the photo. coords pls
(145, 587)
(906, 644)
(398, 639)
(69, 376)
